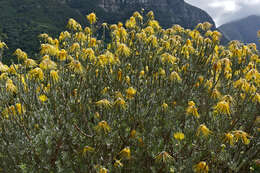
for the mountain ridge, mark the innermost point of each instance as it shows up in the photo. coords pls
(240, 30)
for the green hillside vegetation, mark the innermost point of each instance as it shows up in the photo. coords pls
(22, 21)
(244, 30)
(148, 100)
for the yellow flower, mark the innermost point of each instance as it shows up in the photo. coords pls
(125, 153)
(141, 74)
(131, 23)
(92, 18)
(163, 157)
(123, 50)
(164, 106)
(229, 137)
(2, 45)
(54, 75)
(130, 92)
(3, 68)
(104, 102)
(48, 64)
(30, 63)
(12, 69)
(20, 109)
(21, 55)
(215, 94)
(74, 47)
(48, 49)
(75, 66)
(201, 167)
(36, 73)
(73, 25)
(43, 98)
(204, 130)
(191, 109)
(103, 126)
(222, 107)
(174, 76)
(118, 163)
(10, 87)
(120, 102)
(88, 53)
(239, 134)
(88, 149)
(103, 170)
(62, 55)
(179, 136)
(133, 134)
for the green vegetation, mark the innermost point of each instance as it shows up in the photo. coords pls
(149, 100)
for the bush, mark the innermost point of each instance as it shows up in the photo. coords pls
(149, 100)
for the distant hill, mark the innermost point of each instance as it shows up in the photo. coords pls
(244, 30)
(21, 21)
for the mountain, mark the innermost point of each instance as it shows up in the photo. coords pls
(22, 21)
(244, 30)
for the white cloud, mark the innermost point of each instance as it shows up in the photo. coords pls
(223, 11)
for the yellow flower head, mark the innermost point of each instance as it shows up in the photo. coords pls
(239, 134)
(122, 50)
(131, 92)
(48, 64)
(222, 107)
(2, 45)
(120, 102)
(75, 66)
(36, 73)
(174, 76)
(104, 102)
(48, 49)
(92, 18)
(118, 164)
(201, 167)
(30, 63)
(43, 98)
(54, 75)
(179, 136)
(103, 126)
(103, 170)
(10, 87)
(62, 55)
(87, 149)
(3, 68)
(204, 130)
(191, 109)
(21, 55)
(164, 106)
(20, 109)
(229, 137)
(74, 25)
(125, 153)
(164, 157)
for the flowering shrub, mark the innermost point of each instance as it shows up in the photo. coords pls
(149, 100)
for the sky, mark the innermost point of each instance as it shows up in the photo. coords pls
(223, 11)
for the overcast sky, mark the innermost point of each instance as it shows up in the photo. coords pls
(223, 11)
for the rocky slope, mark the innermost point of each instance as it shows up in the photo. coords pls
(244, 30)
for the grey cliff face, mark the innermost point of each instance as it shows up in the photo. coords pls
(167, 12)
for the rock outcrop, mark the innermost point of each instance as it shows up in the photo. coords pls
(168, 12)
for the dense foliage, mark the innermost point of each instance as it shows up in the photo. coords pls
(150, 100)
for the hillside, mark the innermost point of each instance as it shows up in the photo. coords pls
(244, 30)
(21, 21)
